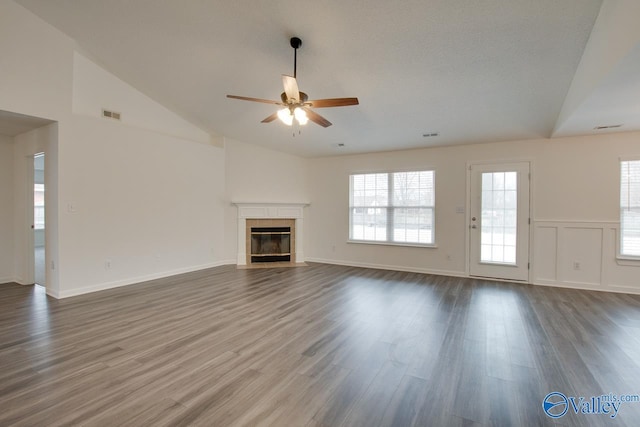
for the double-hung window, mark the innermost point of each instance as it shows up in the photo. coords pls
(630, 208)
(396, 207)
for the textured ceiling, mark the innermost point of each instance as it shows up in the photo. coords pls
(473, 71)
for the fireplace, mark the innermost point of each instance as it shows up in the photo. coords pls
(270, 234)
(270, 240)
(270, 244)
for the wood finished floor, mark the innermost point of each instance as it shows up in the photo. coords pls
(315, 346)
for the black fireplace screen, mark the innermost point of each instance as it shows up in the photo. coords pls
(270, 244)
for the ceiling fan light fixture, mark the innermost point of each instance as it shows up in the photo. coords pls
(301, 116)
(285, 116)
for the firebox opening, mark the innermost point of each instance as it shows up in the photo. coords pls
(270, 244)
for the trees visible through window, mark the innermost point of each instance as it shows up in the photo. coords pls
(630, 208)
(395, 207)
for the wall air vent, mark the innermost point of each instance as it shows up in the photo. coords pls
(606, 127)
(110, 114)
(430, 135)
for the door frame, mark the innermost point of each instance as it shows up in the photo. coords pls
(467, 233)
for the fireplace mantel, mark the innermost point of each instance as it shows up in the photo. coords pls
(253, 210)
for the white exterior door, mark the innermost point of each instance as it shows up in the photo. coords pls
(499, 221)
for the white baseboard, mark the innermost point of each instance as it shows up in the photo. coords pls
(437, 272)
(388, 267)
(8, 280)
(566, 285)
(133, 280)
(588, 287)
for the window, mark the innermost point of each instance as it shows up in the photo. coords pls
(395, 207)
(630, 208)
(499, 217)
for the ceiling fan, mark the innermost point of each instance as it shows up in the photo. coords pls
(297, 106)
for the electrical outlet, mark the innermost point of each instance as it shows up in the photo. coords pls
(576, 265)
(107, 264)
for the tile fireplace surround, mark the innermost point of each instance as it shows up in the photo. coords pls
(267, 212)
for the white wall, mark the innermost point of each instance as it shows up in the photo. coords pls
(6, 209)
(137, 205)
(95, 89)
(254, 175)
(575, 182)
(37, 64)
(145, 194)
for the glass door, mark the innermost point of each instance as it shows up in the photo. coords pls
(499, 221)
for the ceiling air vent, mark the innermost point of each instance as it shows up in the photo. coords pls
(110, 114)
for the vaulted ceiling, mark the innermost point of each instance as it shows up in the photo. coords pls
(471, 71)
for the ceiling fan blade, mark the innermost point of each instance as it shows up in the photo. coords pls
(316, 118)
(333, 102)
(270, 118)
(291, 88)
(245, 98)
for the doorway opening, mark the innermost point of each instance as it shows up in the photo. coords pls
(38, 225)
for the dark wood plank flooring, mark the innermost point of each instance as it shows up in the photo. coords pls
(314, 346)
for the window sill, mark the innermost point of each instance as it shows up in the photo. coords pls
(409, 245)
(628, 260)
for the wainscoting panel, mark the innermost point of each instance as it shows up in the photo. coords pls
(545, 254)
(581, 262)
(580, 254)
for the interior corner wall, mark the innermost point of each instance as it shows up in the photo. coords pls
(575, 187)
(6, 210)
(255, 174)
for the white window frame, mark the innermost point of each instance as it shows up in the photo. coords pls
(390, 208)
(621, 255)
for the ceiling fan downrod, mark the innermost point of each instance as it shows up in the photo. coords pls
(295, 44)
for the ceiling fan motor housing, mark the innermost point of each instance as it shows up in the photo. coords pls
(286, 101)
